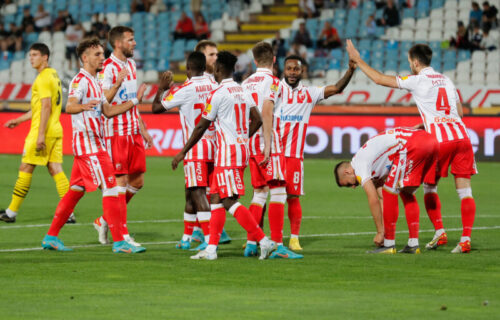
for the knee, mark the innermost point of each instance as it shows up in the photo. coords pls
(137, 182)
(278, 195)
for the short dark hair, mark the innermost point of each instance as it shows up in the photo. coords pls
(196, 61)
(42, 48)
(295, 57)
(87, 43)
(486, 3)
(117, 33)
(263, 53)
(422, 53)
(227, 61)
(336, 172)
(200, 47)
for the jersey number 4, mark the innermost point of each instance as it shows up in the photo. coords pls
(442, 101)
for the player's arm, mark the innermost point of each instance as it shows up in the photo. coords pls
(197, 134)
(374, 204)
(44, 119)
(342, 83)
(165, 84)
(73, 106)
(145, 134)
(460, 109)
(255, 121)
(111, 92)
(374, 75)
(110, 111)
(17, 121)
(267, 125)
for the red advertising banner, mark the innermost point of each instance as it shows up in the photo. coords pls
(327, 135)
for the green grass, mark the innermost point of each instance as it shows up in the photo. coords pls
(335, 280)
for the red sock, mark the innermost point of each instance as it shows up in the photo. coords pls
(123, 212)
(468, 208)
(295, 215)
(433, 208)
(245, 219)
(63, 211)
(256, 212)
(197, 223)
(205, 227)
(217, 221)
(276, 217)
(391, 213)
(412, 213)
(111, 213)
(188, 227)
(128, 196)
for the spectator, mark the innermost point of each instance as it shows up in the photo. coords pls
(461, 40)
(489, 42)
(329, 37)
(201, 27)
(307, 9)
(42, 19)
(298, 49)
(243, 67)
(279, 45)
(10, 40)
(27, 19)
(475, 14)
(158, 6)
(489, 16)
(302, 36)
(196, 6)
(371, 27)
(63, 20)
(390, 17)
(184, 28)
(140, 6)
(476, 38)
(74, 34)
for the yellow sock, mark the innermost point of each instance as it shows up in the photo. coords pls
(62, 183)
(20, 190)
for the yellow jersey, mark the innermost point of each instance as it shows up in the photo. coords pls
(47, 84)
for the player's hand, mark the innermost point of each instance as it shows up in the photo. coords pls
(267, 152)
(379, 239)
(121, 76)
(166, 80)
(140, 92)
(90, 105)
(352, 65)
(178, 158)
(353, 53)
(40, 143)
(147, 139)
(11, 124)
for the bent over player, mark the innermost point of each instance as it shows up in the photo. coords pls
(43, 145)
(230, 109)
(190, 97)
(397, 159)
(439, 105)
(92, 167)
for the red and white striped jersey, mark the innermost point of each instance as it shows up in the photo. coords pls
(375, 158)
(229, 107)
(86, 125)
(210, 77)
(262, 86)
(126, 123)
(293, 110)
(436, 98)
(191, 97)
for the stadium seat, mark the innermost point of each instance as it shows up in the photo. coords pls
(492, 78)
(123, 18)
(437, 14)
(421, 35)
(450, 74)
(463, 67)
(478, 56)
(435, 35)
(451, 4)
(477, 78)
(407, 35)
(423, 24)
(478, 66)
(463, 55)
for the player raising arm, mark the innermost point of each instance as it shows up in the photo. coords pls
(92, 167)
(230, 109)
(439, 105)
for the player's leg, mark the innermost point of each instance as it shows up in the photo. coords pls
(61, 181)
(294, 189)
(217, 221)
(412, 213)
(189, 222)
(19, 193)
(390, 210)
(203, 214)
(135, 183)
(259, 199)
(295, 217)
(468, 211)
(433, 208)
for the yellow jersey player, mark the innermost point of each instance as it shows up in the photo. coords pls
(43, 145)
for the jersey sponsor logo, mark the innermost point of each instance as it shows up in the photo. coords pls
(404, 78)
(74, 85)
(274, 87)
(124, 96)
(208, 109)
(100, 76)
(291, 117)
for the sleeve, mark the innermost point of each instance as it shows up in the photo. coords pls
(45, 86)
(77, 88)
(270, 90)
(212, 106)
(409, 83)
(361, 170)
(175, 97)
(317, 93)
(106, 77)
(249, 100)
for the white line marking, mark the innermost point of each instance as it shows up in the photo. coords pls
(45, 225)
(346, 234)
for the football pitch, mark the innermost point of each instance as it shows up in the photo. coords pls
(335, 280)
